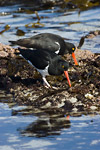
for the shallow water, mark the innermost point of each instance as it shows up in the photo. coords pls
(69, 24)
(22, 130)
(76, 133)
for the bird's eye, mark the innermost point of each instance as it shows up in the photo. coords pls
(73, 48)
(62, 66)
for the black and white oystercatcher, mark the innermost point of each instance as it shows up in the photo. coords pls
(48, 41)
(46, 62)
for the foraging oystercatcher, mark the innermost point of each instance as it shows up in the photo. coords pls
(46, 62)
(48, 41)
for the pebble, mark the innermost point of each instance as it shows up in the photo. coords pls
(80, 81)
(89, 96)
(93, 107)
(60, 105)
(47, 105)
(96, 93)
(74, 109)
(73, 100)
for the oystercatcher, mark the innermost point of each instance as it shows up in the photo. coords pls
(46, 62)
(48, 41)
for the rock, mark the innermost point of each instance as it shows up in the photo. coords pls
(92, 34)
(34, 3)
(22, 80)
(93, 107)
(83, 54)
(73, 100)
(89, 96)
(6, 50)
(3, 54)
(74, 110)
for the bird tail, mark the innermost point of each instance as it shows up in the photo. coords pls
(21, 51)
(13, 42)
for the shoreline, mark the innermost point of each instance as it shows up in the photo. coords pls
(21, 80)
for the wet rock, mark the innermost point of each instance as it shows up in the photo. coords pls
(32, 2)
(21, 80)
(3, 54)
(74, 110)
(97, 62)
(93, 107)
(83, 54)
(92, 34)
(73, 100)
(89, 96)
(6, 50)
(41, 4)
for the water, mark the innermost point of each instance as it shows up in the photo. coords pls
(76, 133)
(22, 128)
(69, 24)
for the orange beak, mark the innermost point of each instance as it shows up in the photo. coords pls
(73, 55)
(67, 76)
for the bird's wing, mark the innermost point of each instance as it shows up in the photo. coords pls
(44, 41)
(39, 58)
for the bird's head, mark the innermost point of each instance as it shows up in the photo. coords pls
(64, 65)
(71, 49)
(59, 66)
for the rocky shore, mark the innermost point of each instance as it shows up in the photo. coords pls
(41, 4)
(24, 83)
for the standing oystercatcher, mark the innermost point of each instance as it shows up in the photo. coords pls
(48, 41)
(46, 62)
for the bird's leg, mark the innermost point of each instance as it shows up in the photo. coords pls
(47, 85)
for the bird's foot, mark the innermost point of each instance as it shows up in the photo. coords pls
(53, 87)
(50, 87)
(47, 85)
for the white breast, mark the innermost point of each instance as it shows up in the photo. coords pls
(42, 72)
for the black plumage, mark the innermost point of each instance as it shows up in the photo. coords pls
(47, 41)
(46, 62)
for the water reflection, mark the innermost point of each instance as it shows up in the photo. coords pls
(45, 125)
(29, 128)
(16, 122)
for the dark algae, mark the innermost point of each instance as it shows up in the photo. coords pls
(22, 81)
